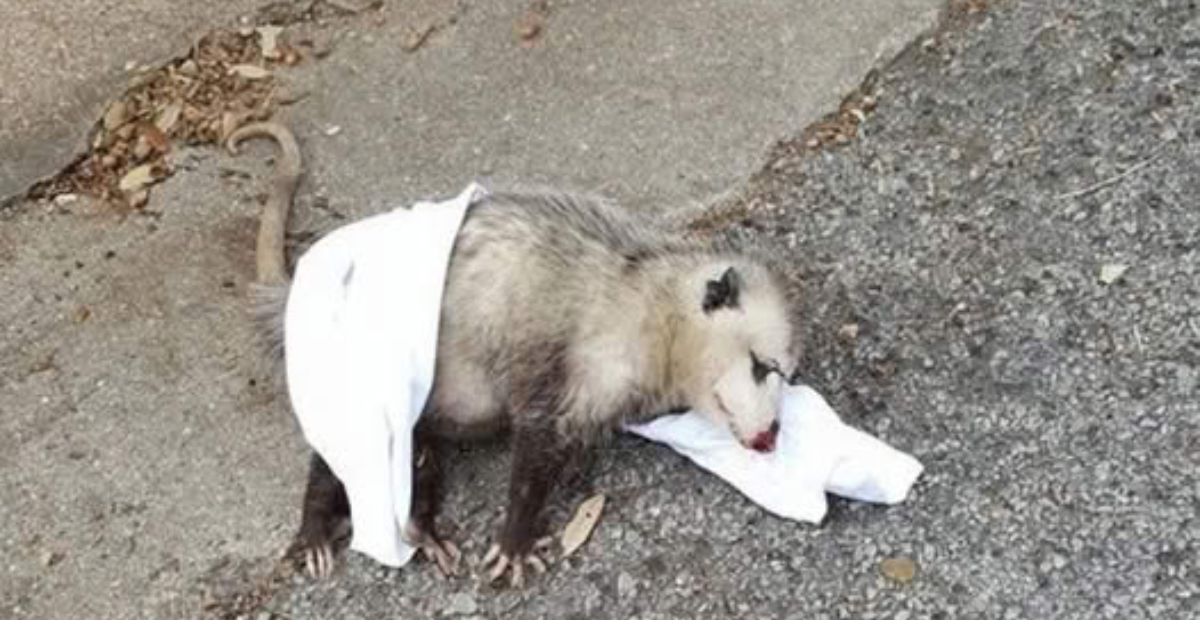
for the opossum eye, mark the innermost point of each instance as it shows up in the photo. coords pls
(760, 369)
(723, 292)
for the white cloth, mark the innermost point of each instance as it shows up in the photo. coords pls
(361, 338)
(815, 453)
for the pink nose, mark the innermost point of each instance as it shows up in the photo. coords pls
(764, 442)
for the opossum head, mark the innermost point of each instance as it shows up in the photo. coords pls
(739, 350)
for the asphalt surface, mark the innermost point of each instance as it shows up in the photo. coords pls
(149, 466)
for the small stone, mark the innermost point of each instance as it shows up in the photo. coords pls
(460, 604)
(333, 130)
(188, 68)
(898, 569)
(848, 332)
(626, 585)
(1110, 272)
(50, 558)
(528, 28)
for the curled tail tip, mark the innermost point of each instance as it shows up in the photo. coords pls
(280, 133)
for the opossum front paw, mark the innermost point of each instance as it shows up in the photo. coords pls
(443, 553)
(514, 563)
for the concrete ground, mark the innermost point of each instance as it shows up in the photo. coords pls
(149, 467)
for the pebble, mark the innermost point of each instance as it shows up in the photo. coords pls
(63, 200)
(626, 585)
(460, 604)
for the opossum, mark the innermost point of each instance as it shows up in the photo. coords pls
(563, 317)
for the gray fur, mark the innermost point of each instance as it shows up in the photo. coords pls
(547, 288)
(268, 303)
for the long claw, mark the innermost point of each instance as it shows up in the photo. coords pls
(448, 558)
(492, 554)
(318, 561)
(310, 563)
(537, 563)
(517, 566)
(518, 575)
(498, 570)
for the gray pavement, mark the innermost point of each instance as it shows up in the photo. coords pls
(149, 466)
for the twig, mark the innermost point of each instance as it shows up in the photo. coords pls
(1113, 180)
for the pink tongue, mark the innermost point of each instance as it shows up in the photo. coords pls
(764, 442)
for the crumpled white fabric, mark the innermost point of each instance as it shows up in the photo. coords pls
(361, 332)
(360, 338)
(815, 452)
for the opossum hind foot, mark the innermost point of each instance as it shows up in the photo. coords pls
(501, 562)
(325, 522)
(316, 553)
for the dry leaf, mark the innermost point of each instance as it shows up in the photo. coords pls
(116, 115)
(415, 38)
(169, 116)
(268, 40)
(581, 525)
(231, 121)
(155, 138)
(137, 178)
(1110, 272)
(252, 72)
(142, 148)
(138, 199)
(898, 569)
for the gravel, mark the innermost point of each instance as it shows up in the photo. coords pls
(1013, 156)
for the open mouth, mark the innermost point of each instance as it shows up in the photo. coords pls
(763, 442)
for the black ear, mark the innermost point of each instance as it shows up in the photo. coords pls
(723, 292)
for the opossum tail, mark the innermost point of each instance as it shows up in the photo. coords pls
(269, 292)
(271, 265)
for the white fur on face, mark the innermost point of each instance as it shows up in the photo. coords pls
(749, 406)
(758, 326)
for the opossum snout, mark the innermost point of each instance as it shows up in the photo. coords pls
(764, 442)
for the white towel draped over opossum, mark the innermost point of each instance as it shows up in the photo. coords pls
(361, 335)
